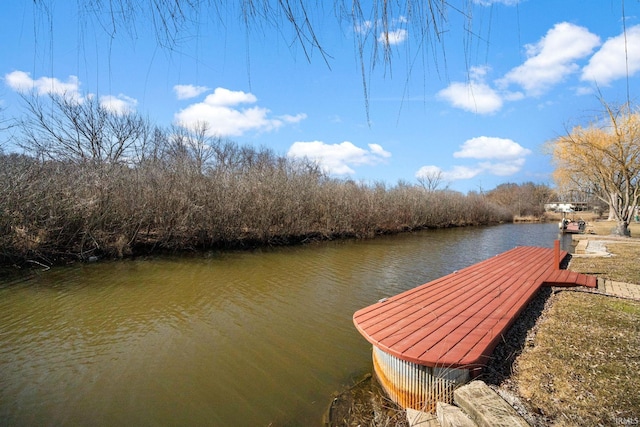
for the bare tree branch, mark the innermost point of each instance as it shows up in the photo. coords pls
(68, 129)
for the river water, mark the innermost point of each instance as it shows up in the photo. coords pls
(222, 339)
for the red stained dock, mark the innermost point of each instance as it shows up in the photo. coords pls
(457, 320)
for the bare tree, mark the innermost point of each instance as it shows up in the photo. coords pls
(4, 122)
(59, 127)
(430, 180)
(5, 125)
(193, 145)
(521, 199)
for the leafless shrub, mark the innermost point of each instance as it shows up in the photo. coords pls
(100, 185)
(522, 199)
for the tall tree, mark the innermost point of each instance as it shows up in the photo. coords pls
(603, 158)
(431, 180)
(61, 127)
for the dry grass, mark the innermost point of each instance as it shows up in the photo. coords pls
(583, 367)
(365, 404)
(604, 228)
(586, 215)
(527, 218)
(622, 266)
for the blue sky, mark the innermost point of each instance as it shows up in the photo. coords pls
(475, 107)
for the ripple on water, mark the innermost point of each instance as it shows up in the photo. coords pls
(226, 339)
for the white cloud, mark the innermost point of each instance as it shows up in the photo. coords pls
(475, 95)
(222, 112)
(226, 97)
(430, 170)
(338, 159)
(549, 61)
(552, 58)
(512, 96)
(503, 168)
(21, 81)
(502, 157)
(613, 58)
(393, 37)
(379, 151)
(389, 34)
(462, 172)
(287, 118)
(120, 104)
(478, 73)
(189, 91)
(363, 27)
(456, 173)
(484, 147)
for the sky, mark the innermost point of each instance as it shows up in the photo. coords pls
(475, 104)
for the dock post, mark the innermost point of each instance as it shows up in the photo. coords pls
(556, 254)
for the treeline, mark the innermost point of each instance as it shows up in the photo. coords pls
(52, 211)
(124, 188)
(524, 200)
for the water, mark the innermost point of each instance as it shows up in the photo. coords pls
(224, 339)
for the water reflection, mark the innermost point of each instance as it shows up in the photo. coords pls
(236, 339)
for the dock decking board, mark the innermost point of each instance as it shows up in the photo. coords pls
(457, 320)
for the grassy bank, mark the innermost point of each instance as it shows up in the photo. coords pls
(557, 217)
(603, 229)
(584, 355)
(623, 265)
(582, 367)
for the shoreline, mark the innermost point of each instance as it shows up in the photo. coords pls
(500, 372)
(153, 248)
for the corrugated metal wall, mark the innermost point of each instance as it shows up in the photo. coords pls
(416, 386)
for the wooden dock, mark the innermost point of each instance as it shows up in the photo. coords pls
(456, 321)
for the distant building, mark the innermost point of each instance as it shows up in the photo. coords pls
(565, 207)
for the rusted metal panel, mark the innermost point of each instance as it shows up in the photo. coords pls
(416, 386)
